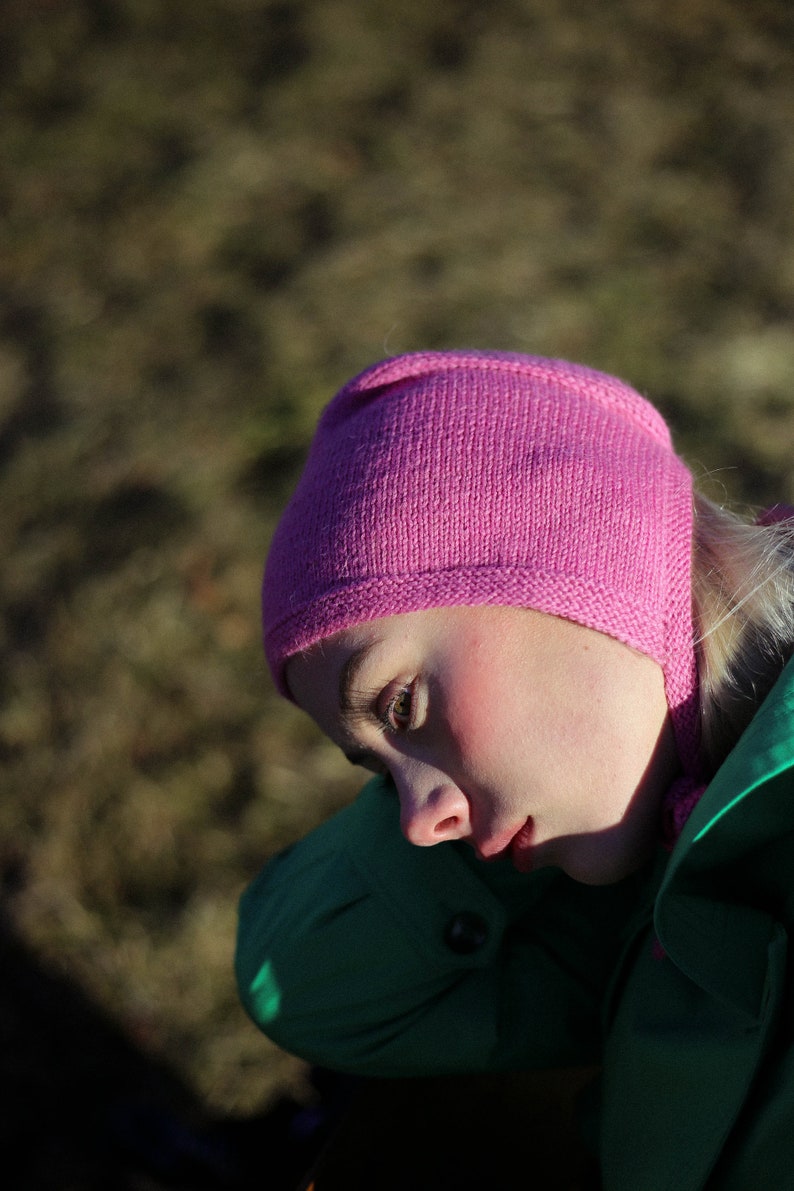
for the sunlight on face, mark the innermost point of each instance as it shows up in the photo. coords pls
(523, 734)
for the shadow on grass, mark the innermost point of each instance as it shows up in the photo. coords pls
(84, 1108)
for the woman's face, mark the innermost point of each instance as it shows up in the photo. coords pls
(523, 734)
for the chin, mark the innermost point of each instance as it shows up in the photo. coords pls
(607, 857)
(601, 869)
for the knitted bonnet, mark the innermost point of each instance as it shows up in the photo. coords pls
(450, 478)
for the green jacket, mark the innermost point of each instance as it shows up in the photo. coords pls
(360, 952)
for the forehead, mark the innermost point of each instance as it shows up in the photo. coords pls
(324, 661)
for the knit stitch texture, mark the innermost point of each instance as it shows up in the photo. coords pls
(450, 478)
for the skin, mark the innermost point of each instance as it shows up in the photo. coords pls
(523, 734)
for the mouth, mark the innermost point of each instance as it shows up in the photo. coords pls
(517, 846)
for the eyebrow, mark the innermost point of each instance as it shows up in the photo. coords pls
(348, 677)
(347, 703)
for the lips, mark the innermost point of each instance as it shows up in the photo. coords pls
(516, 845)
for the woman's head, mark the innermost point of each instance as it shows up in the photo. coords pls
(449, 479)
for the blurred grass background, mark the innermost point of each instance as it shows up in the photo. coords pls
(212, 214)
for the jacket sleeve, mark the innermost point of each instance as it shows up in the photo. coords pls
(361, 952)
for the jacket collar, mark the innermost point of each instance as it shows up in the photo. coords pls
(735, 800)
(714, 914)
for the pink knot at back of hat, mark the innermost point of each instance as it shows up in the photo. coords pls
(448, 478)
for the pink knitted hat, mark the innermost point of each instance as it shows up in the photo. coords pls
(448, 478)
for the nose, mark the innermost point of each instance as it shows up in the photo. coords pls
(432, 808)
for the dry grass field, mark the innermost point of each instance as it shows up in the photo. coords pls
(212, 214)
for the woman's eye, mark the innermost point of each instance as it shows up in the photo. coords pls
(397, 715)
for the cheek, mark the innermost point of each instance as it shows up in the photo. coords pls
(481, 721)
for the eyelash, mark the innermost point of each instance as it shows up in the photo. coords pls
(385, 717)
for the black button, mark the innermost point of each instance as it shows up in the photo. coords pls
(466, 933)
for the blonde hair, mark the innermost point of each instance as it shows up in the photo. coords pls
(743, 606)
